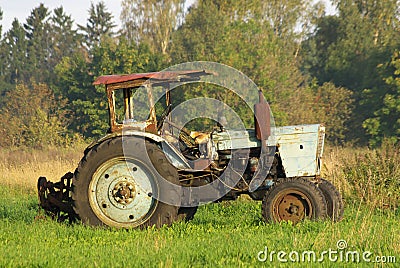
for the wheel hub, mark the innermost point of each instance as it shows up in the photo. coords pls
(293, 209)
(293, 206)
(124, 192)
(121, 192)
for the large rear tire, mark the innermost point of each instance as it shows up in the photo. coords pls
(293, 199)
(122, 188)
(187, 213)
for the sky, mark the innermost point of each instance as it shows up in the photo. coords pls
(78, 9)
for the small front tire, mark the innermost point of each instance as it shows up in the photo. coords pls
(333, 199)
(293, 199)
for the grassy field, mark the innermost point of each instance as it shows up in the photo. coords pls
(228, 234)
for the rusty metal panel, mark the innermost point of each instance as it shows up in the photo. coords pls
(262, 118)
(142, 77)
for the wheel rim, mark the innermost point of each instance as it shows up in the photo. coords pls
(120, 192)
(292, 205)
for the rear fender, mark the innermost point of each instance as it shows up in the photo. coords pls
(173, 155)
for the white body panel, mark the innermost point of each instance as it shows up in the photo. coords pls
(300, 147)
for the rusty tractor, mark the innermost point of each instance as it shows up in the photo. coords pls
(148, 170)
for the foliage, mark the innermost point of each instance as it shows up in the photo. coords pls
(341, 70)
(151, 22)
(13, 49)
(1, 17)
(88, 104)
(32, 116)
(241, 37)
(333, 107)
(37, 32)
(386, 120)
(348, 49)
(31, 50)
(65, 40)
(99, 25)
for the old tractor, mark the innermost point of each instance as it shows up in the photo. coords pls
(150, 171)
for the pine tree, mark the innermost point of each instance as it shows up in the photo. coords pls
(99, 25)
(13, 49)
(39, 42)
(65, 40)
(1, 18)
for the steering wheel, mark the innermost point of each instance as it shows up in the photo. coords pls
(187, 144)
(163, 116)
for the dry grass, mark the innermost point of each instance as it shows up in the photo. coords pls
(22, 167)
(334, 162)
(368, 175)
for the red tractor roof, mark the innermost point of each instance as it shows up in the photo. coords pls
(169, 76)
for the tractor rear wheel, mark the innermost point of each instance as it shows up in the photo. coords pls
(117, 187)
(333, 199)
(293, 199)
(187, 213)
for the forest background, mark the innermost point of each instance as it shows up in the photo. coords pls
(342, 70)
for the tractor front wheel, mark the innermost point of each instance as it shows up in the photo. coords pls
(333, 199)
(293, 199)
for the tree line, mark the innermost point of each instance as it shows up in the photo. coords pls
(342, 70)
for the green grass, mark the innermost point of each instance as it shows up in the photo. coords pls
(228, 234)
